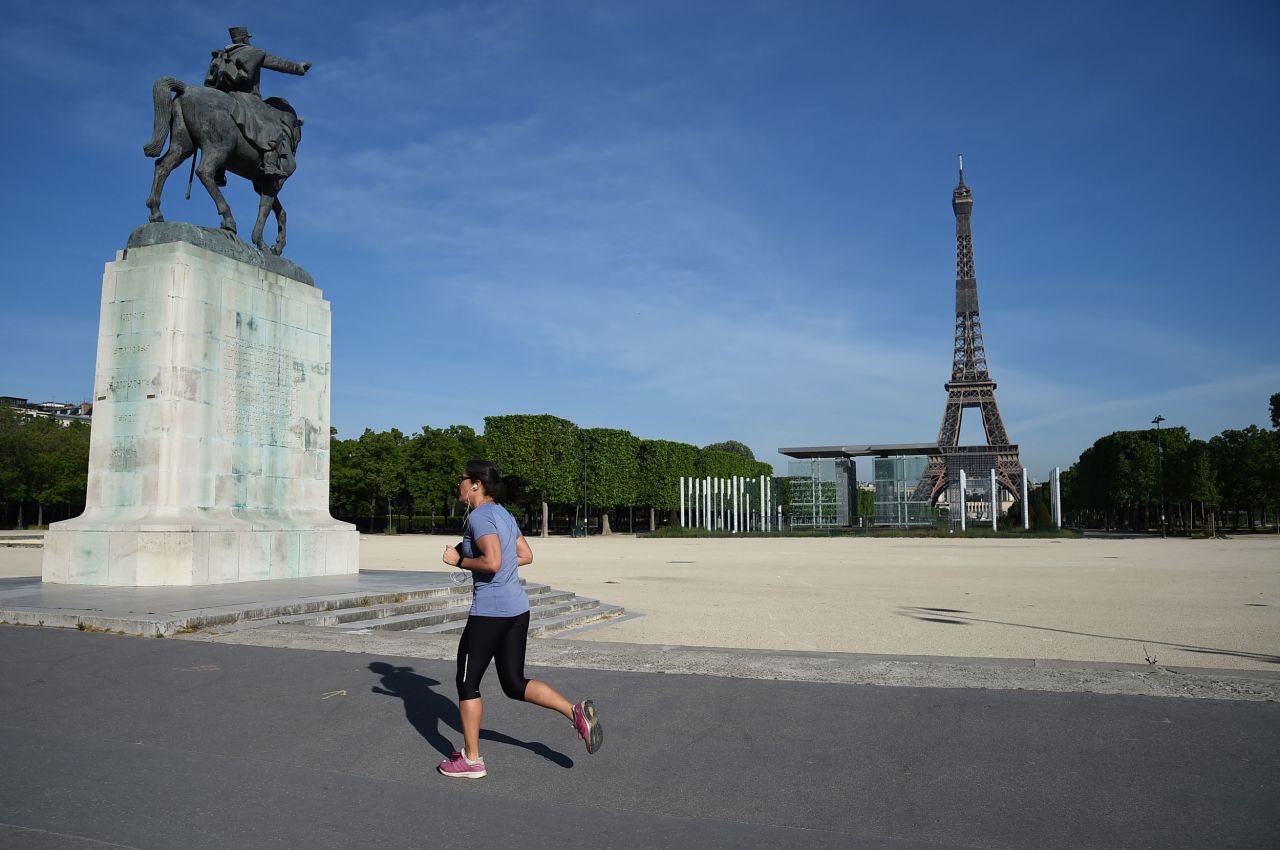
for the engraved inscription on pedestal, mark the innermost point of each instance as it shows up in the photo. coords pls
(264, 386)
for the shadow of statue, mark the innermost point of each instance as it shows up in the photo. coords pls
(425, 708)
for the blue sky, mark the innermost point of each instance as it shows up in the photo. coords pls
(704, 221)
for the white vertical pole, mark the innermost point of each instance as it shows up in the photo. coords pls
(1057, 497)
(771, 523)
(737, 506)
(768, 504)
(718, 505)
(1026, 508)
(766, 523)
(702, 503)
(727, 501)
(993, 500)
(682, 501)
(963, 507)
(758, 502)
(706, 516)
(732, 505)
(700, 497)
(742, 499)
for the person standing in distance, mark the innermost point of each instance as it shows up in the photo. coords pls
(493, 550)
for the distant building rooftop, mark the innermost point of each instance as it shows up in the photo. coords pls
(880, 450)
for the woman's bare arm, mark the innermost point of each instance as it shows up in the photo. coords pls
(524, 554)
(490, 560)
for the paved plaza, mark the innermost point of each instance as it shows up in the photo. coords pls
(1176, 602)
(742, 697)
(127, 742)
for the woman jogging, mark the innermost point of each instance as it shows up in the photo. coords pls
(492, 550)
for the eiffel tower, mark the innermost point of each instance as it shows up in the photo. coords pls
(970, 386)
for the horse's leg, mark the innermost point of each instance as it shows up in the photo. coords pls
(212, 160)
(180, 147)
(281, 218)
(264, 206)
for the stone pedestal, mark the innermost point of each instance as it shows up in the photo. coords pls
(209, 455)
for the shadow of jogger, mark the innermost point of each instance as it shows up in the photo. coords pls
(424, 708)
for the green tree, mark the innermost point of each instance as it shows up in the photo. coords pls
(1275, 410)
(349, 490)
(14, 462)
(1201, 483)
(435, 457)
(612, 470)
(662, 463)
(732, 447)
(1238, 457)
(61, 465)
(866, 503)
(544, 450)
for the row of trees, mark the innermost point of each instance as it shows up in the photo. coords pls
(569, 472)
(43, 469)
(1126, 478)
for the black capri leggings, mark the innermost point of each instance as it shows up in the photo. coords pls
(500, 639)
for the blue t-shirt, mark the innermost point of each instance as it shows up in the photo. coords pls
(497, 594)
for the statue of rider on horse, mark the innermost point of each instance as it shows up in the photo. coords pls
(234, 129)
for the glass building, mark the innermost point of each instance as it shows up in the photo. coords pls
(824, 484)
(819, 492)
(896, 479)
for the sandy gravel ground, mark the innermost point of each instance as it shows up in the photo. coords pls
(1195, 603)
(1174, 602)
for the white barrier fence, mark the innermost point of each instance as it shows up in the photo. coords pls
(735, 504)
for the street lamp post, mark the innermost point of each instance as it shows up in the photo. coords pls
(583, 444)
(1160, 468)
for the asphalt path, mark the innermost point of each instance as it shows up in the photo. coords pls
(109, 741)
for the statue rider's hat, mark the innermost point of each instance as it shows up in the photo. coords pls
(239, 32)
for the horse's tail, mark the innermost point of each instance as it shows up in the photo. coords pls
(162, 93)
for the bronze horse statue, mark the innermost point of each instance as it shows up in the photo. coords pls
(200, 118)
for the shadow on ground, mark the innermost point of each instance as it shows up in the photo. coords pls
(425, 709)
(964, 618)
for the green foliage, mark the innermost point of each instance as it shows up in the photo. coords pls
(1275, 411)
(544, 450)
(662, 463)
(1125, 481)
(1247, 464)
(43, 464)
(435, 458)
(613, 468)
(719, 464)
(733, 447)
(866, 502)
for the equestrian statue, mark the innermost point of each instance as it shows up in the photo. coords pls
(234, 129)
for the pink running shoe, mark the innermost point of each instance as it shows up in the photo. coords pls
(457, 767)
(587, 724)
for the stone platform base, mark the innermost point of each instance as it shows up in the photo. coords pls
(209, 454)
(144, 557)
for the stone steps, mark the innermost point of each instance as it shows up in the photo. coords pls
(436, 610)
(565, 613)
